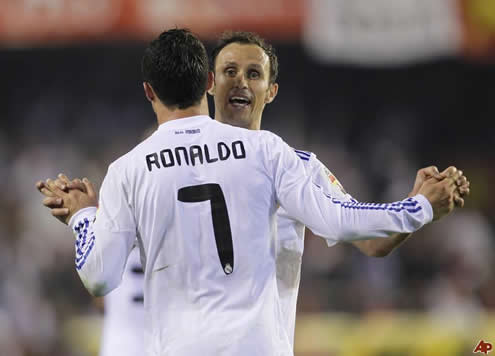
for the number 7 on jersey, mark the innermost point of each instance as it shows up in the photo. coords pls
(220, 218)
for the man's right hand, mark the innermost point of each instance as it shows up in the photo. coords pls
(440, 194)
(460, 193)
(65, 197)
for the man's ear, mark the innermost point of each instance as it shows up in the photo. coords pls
(211, 83)
(149, 92)
(272, 93)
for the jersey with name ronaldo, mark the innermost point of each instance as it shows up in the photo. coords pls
(289, 247)
(289, 250)
(202, 197)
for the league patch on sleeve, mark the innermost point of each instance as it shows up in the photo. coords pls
(334, 181)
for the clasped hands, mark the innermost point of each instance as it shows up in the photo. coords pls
(444, 190)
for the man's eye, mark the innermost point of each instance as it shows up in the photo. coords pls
(254, 74)
(230, 72)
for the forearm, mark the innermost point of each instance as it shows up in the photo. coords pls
(100, 254)
(339, 221)
(381, 247)
(329, 214)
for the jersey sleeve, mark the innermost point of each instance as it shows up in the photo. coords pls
(104, 237)
(323, 177)
(333, 218)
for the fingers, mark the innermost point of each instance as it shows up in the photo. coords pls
(449, 172)
(60, 184)
(63, 178)
(431, 171)
(65, 184)
(44, 189)
(461, 181)
(459, 202)
(60, 212)
(453, 173)
(464, 191)
(89, 187)
(53, 202)
(77, 184)
(449, 182)
(457, 175)
(39, 185)
(54, 187)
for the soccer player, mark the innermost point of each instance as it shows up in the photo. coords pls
(246, 69)
(241, 100)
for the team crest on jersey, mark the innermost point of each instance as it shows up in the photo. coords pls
(334, 180)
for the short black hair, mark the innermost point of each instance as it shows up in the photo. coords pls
(176, 66)
(245, 37)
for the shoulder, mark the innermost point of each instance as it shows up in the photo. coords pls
(271, 139)
(120, 168)
(322, 176)
(311, 163)
(305, 156)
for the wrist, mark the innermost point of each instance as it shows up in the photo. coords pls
(426, 205)
(81, 214)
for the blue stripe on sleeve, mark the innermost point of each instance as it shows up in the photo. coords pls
(303, 153)
(410, 205)
(84, 243)
(303, 158)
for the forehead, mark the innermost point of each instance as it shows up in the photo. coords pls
(243, 54)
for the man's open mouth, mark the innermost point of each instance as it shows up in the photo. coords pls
(239, 101)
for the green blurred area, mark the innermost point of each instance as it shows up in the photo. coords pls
(388, 334)
(345, 334)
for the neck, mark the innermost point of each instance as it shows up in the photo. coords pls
(251, 125)
(165, 114)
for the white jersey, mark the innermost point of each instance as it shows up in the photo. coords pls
(201, 197)
(123, 322)
(290, 247)
(290, 244)
(124, 314)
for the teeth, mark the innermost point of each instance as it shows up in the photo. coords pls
(239, 98)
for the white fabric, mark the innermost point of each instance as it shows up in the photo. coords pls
(123, 323)
(290, 245)
(123, 317)
(194, 304)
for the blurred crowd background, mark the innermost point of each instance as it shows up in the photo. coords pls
(377, 89)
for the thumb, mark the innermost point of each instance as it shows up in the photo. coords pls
(431, 171)
(89, 187)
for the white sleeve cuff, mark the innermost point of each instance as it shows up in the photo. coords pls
(81, 214)
(426, 205)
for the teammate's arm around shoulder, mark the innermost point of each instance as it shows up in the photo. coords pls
(104, 237)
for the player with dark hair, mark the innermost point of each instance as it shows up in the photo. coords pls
(200, 197)
(175, 65)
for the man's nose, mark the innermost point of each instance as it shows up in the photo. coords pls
(240, 80)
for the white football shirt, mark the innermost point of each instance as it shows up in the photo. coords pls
(201, 197)
(123, 321)
(290, 244)
(124, 315)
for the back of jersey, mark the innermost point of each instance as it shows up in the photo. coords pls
(204, 207)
